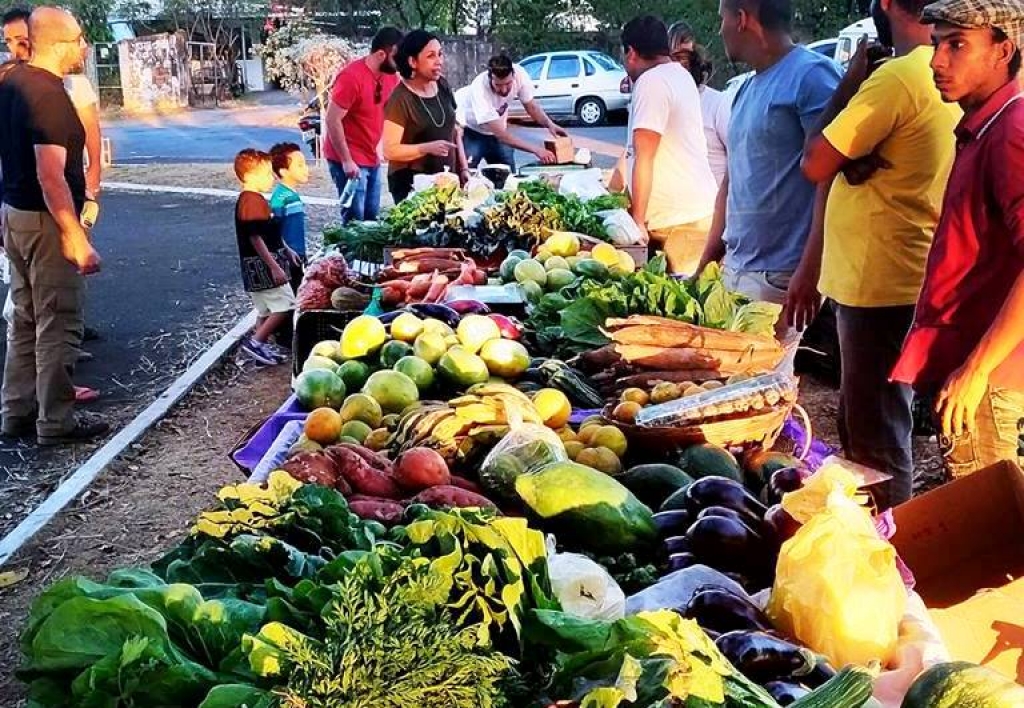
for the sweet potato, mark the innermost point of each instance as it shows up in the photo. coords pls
(659, 332)
(388, 513)
(313, 468)
(401, 254)
(666, 358)
(374, 459)
(437, 288)
(363, 478)
(421, 468)
(447, 496)
(468, 485)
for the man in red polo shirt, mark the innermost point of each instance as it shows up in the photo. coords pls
(355, 121)
(967, 341)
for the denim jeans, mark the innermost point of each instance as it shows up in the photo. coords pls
(996, 436)
(487, 147)
(366, 205)
(876, 420)
(768, 286)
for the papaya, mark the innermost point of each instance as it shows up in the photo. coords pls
(653, 484)
(707, 460)
(960, 684)
(347, 299)
(591, 269)
(758, 466)
(586, 509)
(319, 388)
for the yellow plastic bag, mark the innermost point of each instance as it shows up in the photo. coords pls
(837, 588)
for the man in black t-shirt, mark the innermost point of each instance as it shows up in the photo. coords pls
(41, 147)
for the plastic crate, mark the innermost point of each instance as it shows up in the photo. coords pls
(315, 326)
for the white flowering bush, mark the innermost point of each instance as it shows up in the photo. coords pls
(303, 61)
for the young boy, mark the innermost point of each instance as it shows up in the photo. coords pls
(292, 172)
(264, 258)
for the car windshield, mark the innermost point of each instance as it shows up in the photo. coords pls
(605, 62)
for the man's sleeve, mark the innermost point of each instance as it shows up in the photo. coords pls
(651, 107)
(871, 116)
(525, 84)
(816, 89)
(481, 108)
(345, 92)
(722, 116)
(80, 90)
(1008, 187)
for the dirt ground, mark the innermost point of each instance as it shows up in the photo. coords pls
(144, 503)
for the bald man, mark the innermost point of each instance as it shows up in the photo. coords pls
(42, 142)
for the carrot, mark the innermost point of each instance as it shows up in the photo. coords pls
(466, 274)
(401, 285)
(666, 358)
(392, 295)
(479, 277)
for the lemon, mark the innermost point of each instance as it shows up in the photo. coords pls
(626, 262)
(605, 254)
(553, 406)
(563, 243)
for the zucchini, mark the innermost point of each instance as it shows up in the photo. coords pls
(572, 383)
(850, 688)
(960, 684)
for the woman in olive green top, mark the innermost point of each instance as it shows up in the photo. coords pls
(420, 132)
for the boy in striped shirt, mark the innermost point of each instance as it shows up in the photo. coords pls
(292, 172)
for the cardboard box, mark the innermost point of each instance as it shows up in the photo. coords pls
(964, 543)
(563, 149)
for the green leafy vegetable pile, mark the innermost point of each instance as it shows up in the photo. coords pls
(421, 209)
(570, 321)
(573, 213)
(361, 240)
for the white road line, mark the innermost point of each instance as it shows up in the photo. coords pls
(88, 472)
(201, 191)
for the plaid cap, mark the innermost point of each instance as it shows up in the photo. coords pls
(1005, 15)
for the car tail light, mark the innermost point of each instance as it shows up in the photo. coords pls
(625, 86)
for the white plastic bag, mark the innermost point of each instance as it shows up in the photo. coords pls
(583, 587)
(622, 230)
(920, 647)
(585, 184)
(678, 588)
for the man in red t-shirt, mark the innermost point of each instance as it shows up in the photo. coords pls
(355, 121)
(967, 341)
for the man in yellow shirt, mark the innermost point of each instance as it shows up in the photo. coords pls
(886, 143)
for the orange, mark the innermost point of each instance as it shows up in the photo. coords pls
(636, 395)
(553, 406)
(626, 411)
(323, 426)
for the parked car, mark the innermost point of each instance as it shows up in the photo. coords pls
(584, 84)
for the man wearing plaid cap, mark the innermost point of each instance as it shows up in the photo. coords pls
(967, 341)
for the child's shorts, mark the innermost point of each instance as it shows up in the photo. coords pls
(273, 301)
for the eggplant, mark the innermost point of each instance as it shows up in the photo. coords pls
(469, 307)
(435, 311)
(782, 525)
(726, 544)
(762, 657)
(677, 544)
(822, 673)
(679, 561)
(786, 693)
(722, 491)
(788, 479)
(755, 525)
(389, 317)
(740, 579)
(672, 523)
(720, 610)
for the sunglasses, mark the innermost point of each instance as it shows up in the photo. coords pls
(378, 90)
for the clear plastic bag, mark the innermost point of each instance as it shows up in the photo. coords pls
(583, 587)
(752, 394)
(622, 229)
(837, 588)
(526, 448)
(585, 184)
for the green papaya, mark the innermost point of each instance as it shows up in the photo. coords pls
(706, 460)
(960, 684)
(586, 509)
(653, 484)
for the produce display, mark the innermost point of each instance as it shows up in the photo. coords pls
(472, 515)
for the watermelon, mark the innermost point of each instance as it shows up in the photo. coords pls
(319, 388)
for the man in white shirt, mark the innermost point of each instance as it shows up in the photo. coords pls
(483, 113)
(671, 186)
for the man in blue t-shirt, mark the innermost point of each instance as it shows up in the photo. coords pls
(765, 204)
(291, 171)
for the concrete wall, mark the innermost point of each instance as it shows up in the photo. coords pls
(464, 58)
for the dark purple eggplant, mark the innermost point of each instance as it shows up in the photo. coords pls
(786, 693)
(720, 610)
(822, 673)
(727, 544)
(722, 491)
(677, 544)
(680, 561)
(672, 523)
(739, 578)
(754, 524)
(788, 479)
(432, 310)
(469, 307)
(762, 657)
(782, 525)
(389, 317)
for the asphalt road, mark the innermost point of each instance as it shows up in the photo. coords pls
(217, 135)
(169, 287)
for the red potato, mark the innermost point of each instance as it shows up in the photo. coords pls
(421, 468)
(388, 513)
(447, 496)
(468, 485)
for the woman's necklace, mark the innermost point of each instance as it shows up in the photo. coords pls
(426, 109)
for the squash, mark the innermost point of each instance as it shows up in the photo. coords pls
(960, 684)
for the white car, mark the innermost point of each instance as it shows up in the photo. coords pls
(583, 84)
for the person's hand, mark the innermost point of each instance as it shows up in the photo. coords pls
(958, 401)
(856, 71)
(645, 236)
(439, 148)
(558, 131)
(279, 276)
(857, 172)
(350, 168)
(545, 156)
(294, 258)
(464, 175)
(802, 298)
(79, 251)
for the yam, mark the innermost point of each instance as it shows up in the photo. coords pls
(666, 358)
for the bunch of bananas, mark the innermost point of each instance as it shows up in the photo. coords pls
(467, 427)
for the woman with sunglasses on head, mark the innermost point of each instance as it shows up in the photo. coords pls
(420, 132)
(715, 105)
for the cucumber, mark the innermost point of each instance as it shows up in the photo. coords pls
(850, 688)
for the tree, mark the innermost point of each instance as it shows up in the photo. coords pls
(92, 15)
